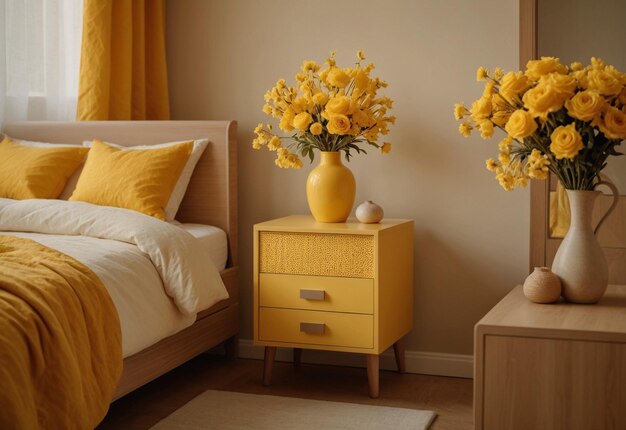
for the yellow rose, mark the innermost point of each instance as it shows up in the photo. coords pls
(481, 109)
(302, 121)
(585, 105)
(563, 85)
(500, 110)
(607, 82)
(299, 104)
(320, 98)
(316, 129)
(338, 105)
(499, 103)
(286, 122)
(385, 148)
(565, 142)
(338, 124)
(542, 100)
(535, 69)
(486, 129)
(614, 124)
(513, 84)
(521, 124)
(500, 118)
(338, 78)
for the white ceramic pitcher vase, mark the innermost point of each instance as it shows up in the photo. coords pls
(580, 261)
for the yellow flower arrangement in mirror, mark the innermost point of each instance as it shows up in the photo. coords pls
(330, 109)
(559, 119)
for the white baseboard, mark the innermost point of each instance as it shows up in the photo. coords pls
(427, 363)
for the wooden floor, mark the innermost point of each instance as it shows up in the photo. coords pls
(450, 398)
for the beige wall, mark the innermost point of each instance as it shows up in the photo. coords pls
(471, 237)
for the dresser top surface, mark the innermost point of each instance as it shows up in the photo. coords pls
(306, 223)
(515, 313)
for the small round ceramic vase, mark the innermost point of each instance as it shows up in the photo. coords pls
(542, 286)
(369, 212)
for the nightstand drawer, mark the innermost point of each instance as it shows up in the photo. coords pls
(321, 293)
(316, 328)
(322, 254)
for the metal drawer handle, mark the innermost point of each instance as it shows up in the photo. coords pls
(312, 328)
(312, 294)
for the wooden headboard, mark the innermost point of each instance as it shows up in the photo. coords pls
(211, 197)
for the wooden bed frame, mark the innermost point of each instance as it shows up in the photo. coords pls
(211, 198)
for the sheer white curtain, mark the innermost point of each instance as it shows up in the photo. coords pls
(39, 59)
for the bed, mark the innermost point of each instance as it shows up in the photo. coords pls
(210, 200)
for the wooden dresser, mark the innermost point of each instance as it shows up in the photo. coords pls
(559, 367)
(333, 286)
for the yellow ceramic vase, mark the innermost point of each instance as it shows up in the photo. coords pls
(330, 189)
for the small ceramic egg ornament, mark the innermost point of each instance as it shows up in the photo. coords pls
(369, 212)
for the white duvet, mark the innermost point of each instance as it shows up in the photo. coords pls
(156, 273)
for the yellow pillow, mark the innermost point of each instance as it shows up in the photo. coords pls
(36, 173)
(141, 180)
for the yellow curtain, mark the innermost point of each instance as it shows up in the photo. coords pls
(123, 72)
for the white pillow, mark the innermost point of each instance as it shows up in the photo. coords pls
(185, 176)
(70, 185)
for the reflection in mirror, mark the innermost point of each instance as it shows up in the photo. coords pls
(576, 30)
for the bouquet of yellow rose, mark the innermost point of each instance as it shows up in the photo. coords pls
(564, 120)
(334, 109)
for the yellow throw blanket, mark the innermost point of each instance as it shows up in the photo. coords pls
(60, 340)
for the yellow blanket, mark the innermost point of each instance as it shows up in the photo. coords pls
(60, 340)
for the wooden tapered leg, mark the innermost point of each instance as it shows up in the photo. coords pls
(398, 349)
(373, 364)
(231, 345)
(297, 357)
(270, 353)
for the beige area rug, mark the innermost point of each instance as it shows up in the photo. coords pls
(239, 411)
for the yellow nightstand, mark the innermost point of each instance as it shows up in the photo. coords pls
(333, 286)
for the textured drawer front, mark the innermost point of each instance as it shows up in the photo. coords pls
(325, 293)
(339, 329)
(348, 255)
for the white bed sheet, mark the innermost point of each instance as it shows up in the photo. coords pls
(146, 313)
(213, 241)
(156, 274)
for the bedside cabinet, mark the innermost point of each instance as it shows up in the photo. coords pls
(333, 286)
(560, 366)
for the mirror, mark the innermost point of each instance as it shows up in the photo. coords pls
(576, 30)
